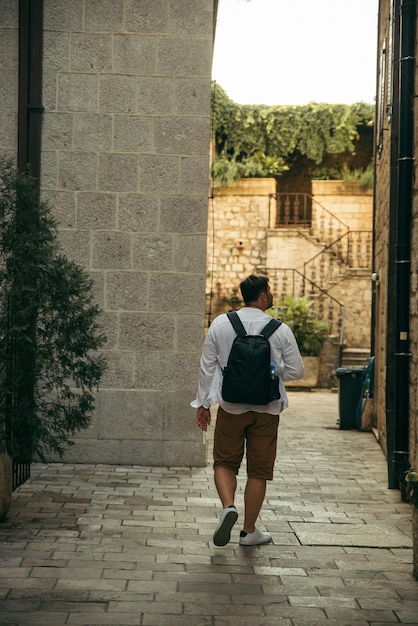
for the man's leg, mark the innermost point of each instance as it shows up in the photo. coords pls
(254, 495)
(228, 450)
(261, 454)
(226, 484)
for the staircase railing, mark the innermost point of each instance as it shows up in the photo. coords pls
(353, 250)
(293, 209)
(342, 246)
(292, 282)
(301, 209)
(325, 226)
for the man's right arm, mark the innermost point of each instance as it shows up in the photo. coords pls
(208, 365)
(203, 418)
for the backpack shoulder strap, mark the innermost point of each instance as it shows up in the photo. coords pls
(236, 323)
(270, 327)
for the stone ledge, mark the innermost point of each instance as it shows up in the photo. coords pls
(248, 187)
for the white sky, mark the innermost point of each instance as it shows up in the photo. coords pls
(296, 51)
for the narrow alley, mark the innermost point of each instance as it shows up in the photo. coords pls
(108, 545)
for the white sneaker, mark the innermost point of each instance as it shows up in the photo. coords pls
(223, 533)
(257, 538)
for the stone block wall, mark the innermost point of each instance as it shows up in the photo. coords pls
(9, 64)
(413, 437)
(290, 247)
(125, 167)
(388, 388)
(385, 395)
(239, 217)
(354, 290)
(350, 202)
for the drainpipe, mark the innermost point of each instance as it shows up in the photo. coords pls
(391, 291)
(215, 18)
(30, 107)
(403, 238)
(29, 153)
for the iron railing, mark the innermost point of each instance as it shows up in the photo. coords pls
(325, 226)
(341, 244)
(292, 282)
(293, 209)
(21, 472)
(353, 250)
(301, 209)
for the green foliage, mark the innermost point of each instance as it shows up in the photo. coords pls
(226, 172)
(367, 177)
(49, 338)
(327, 173)
(363, 176)
(260, 141)
(309, 330)
(411, 479)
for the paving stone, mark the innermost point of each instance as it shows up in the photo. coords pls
(19, 605)
(298, 615)
(107, 619)
(40, 618)
(151, 606)
(407, 616)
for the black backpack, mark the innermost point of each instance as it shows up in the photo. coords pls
(247, 378)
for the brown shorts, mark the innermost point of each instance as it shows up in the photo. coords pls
(255, 433)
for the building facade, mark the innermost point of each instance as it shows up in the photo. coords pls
(110, 102)
(395, 308)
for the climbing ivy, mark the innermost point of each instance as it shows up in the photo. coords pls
(261, 141)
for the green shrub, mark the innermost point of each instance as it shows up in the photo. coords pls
(362, 176)
(310, 331)
(49, 332)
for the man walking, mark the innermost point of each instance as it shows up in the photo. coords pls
(244, 426)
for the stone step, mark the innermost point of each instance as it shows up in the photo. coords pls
(355, 357)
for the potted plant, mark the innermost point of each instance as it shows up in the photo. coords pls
(411, 479)
(310, 332)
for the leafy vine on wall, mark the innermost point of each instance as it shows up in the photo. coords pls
(262, 141)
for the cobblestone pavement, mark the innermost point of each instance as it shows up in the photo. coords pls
(108, 545)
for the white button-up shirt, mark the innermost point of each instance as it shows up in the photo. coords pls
(284, 354)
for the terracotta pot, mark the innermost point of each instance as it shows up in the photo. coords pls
(5, 484)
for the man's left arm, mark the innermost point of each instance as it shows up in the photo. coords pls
(292, 368)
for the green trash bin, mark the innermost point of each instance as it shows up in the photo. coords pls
(349, 392)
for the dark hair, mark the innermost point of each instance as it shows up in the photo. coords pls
(252, 287)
